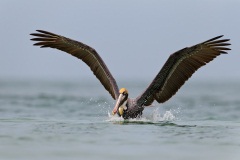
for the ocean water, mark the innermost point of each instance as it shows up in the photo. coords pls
(70, 120)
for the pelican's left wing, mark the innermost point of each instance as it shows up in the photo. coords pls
(81, 51)
(179, 68)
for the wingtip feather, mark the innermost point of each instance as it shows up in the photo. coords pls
(212, 39)
(46, 32)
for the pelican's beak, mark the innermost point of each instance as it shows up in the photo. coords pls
(117, 104)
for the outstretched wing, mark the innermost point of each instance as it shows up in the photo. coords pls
(81, 51)
(179, 68)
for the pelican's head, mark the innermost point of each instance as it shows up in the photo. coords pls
(121, 104)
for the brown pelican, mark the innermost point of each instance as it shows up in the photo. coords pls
(178, 68)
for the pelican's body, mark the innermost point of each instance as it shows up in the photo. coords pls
(178, 68)
(131, 110)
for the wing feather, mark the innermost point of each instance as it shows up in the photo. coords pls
(179, 67)
(82, 51)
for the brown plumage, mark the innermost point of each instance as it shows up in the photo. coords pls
(179, 68)
(83, 52)
(176, 71)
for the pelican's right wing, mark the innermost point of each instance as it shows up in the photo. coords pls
(81, 51)
(179, 68)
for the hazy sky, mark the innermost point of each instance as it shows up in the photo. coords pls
(133, 37)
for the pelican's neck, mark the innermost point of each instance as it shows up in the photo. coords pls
(124, 105)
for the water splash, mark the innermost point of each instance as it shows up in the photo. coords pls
(155, 117)
(167, 116)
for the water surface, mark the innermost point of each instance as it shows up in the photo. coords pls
(70, 120)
